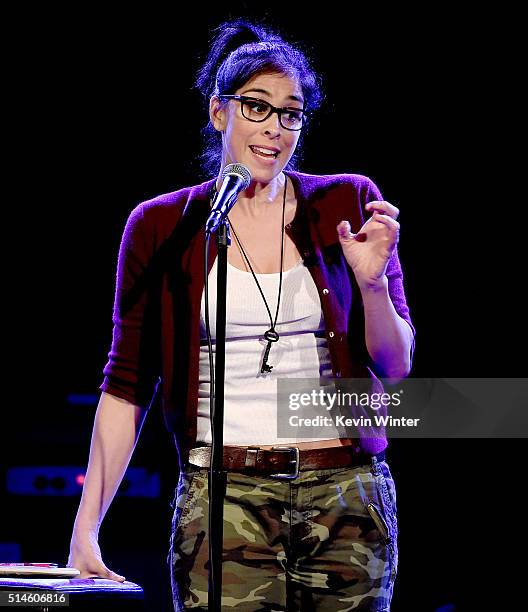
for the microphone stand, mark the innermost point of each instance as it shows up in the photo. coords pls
(218, 477)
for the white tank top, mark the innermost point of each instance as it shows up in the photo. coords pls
(250, 404)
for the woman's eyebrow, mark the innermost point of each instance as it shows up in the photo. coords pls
(267, 93)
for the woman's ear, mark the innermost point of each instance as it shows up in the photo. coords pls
(217, 113)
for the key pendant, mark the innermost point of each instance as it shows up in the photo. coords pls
(265, 367)
(271, 336)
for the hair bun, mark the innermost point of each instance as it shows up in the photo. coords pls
(228, 37)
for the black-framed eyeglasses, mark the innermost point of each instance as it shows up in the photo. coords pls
(254, 109)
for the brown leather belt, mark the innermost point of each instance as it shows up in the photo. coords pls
(283, 462)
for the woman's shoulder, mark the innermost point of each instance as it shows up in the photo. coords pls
(310, 184)
(170, 206)
(316, 181)
(177, 200)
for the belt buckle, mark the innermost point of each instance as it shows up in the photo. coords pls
(295, 460)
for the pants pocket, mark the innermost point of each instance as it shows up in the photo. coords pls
(384, 514)
(183, 503)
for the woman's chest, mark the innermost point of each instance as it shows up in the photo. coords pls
(262, 240)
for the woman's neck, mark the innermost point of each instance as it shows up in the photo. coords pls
(259, 197)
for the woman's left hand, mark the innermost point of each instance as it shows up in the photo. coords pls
(368, 252)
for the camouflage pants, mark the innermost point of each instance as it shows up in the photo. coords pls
(324, 541)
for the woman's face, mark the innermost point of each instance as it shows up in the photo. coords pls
(240, 137)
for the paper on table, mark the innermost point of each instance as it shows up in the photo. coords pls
(35, 570)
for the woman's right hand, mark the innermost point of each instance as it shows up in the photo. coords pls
(85, 555)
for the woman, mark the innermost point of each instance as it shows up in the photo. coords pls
(331, 300)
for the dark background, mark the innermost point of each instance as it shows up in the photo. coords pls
(423, 102)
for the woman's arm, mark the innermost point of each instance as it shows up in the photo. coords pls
(371, 255)
(116, 430)
(388, 337)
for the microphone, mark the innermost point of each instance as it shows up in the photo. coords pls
(235, 178)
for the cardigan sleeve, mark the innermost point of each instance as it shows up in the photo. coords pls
(394, 271)
(133, 366)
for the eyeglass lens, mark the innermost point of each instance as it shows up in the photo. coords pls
(256, 110)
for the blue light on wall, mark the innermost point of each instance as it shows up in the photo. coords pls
(64, 481)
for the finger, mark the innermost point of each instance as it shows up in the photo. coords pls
(386, 220)
(116, 577)
(113, 576)
(108, 575)
(88, 574)
(101, 572)
(384, 207)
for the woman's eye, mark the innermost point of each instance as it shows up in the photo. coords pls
(293, 116)
(258, 107)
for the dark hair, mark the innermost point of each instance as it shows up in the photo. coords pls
(239, 51)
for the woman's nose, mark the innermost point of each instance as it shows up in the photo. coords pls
(272, 124)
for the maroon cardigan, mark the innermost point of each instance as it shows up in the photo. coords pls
(160, 280)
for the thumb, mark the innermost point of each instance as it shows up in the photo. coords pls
(345, 231)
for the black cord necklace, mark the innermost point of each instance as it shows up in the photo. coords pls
(271, 334)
